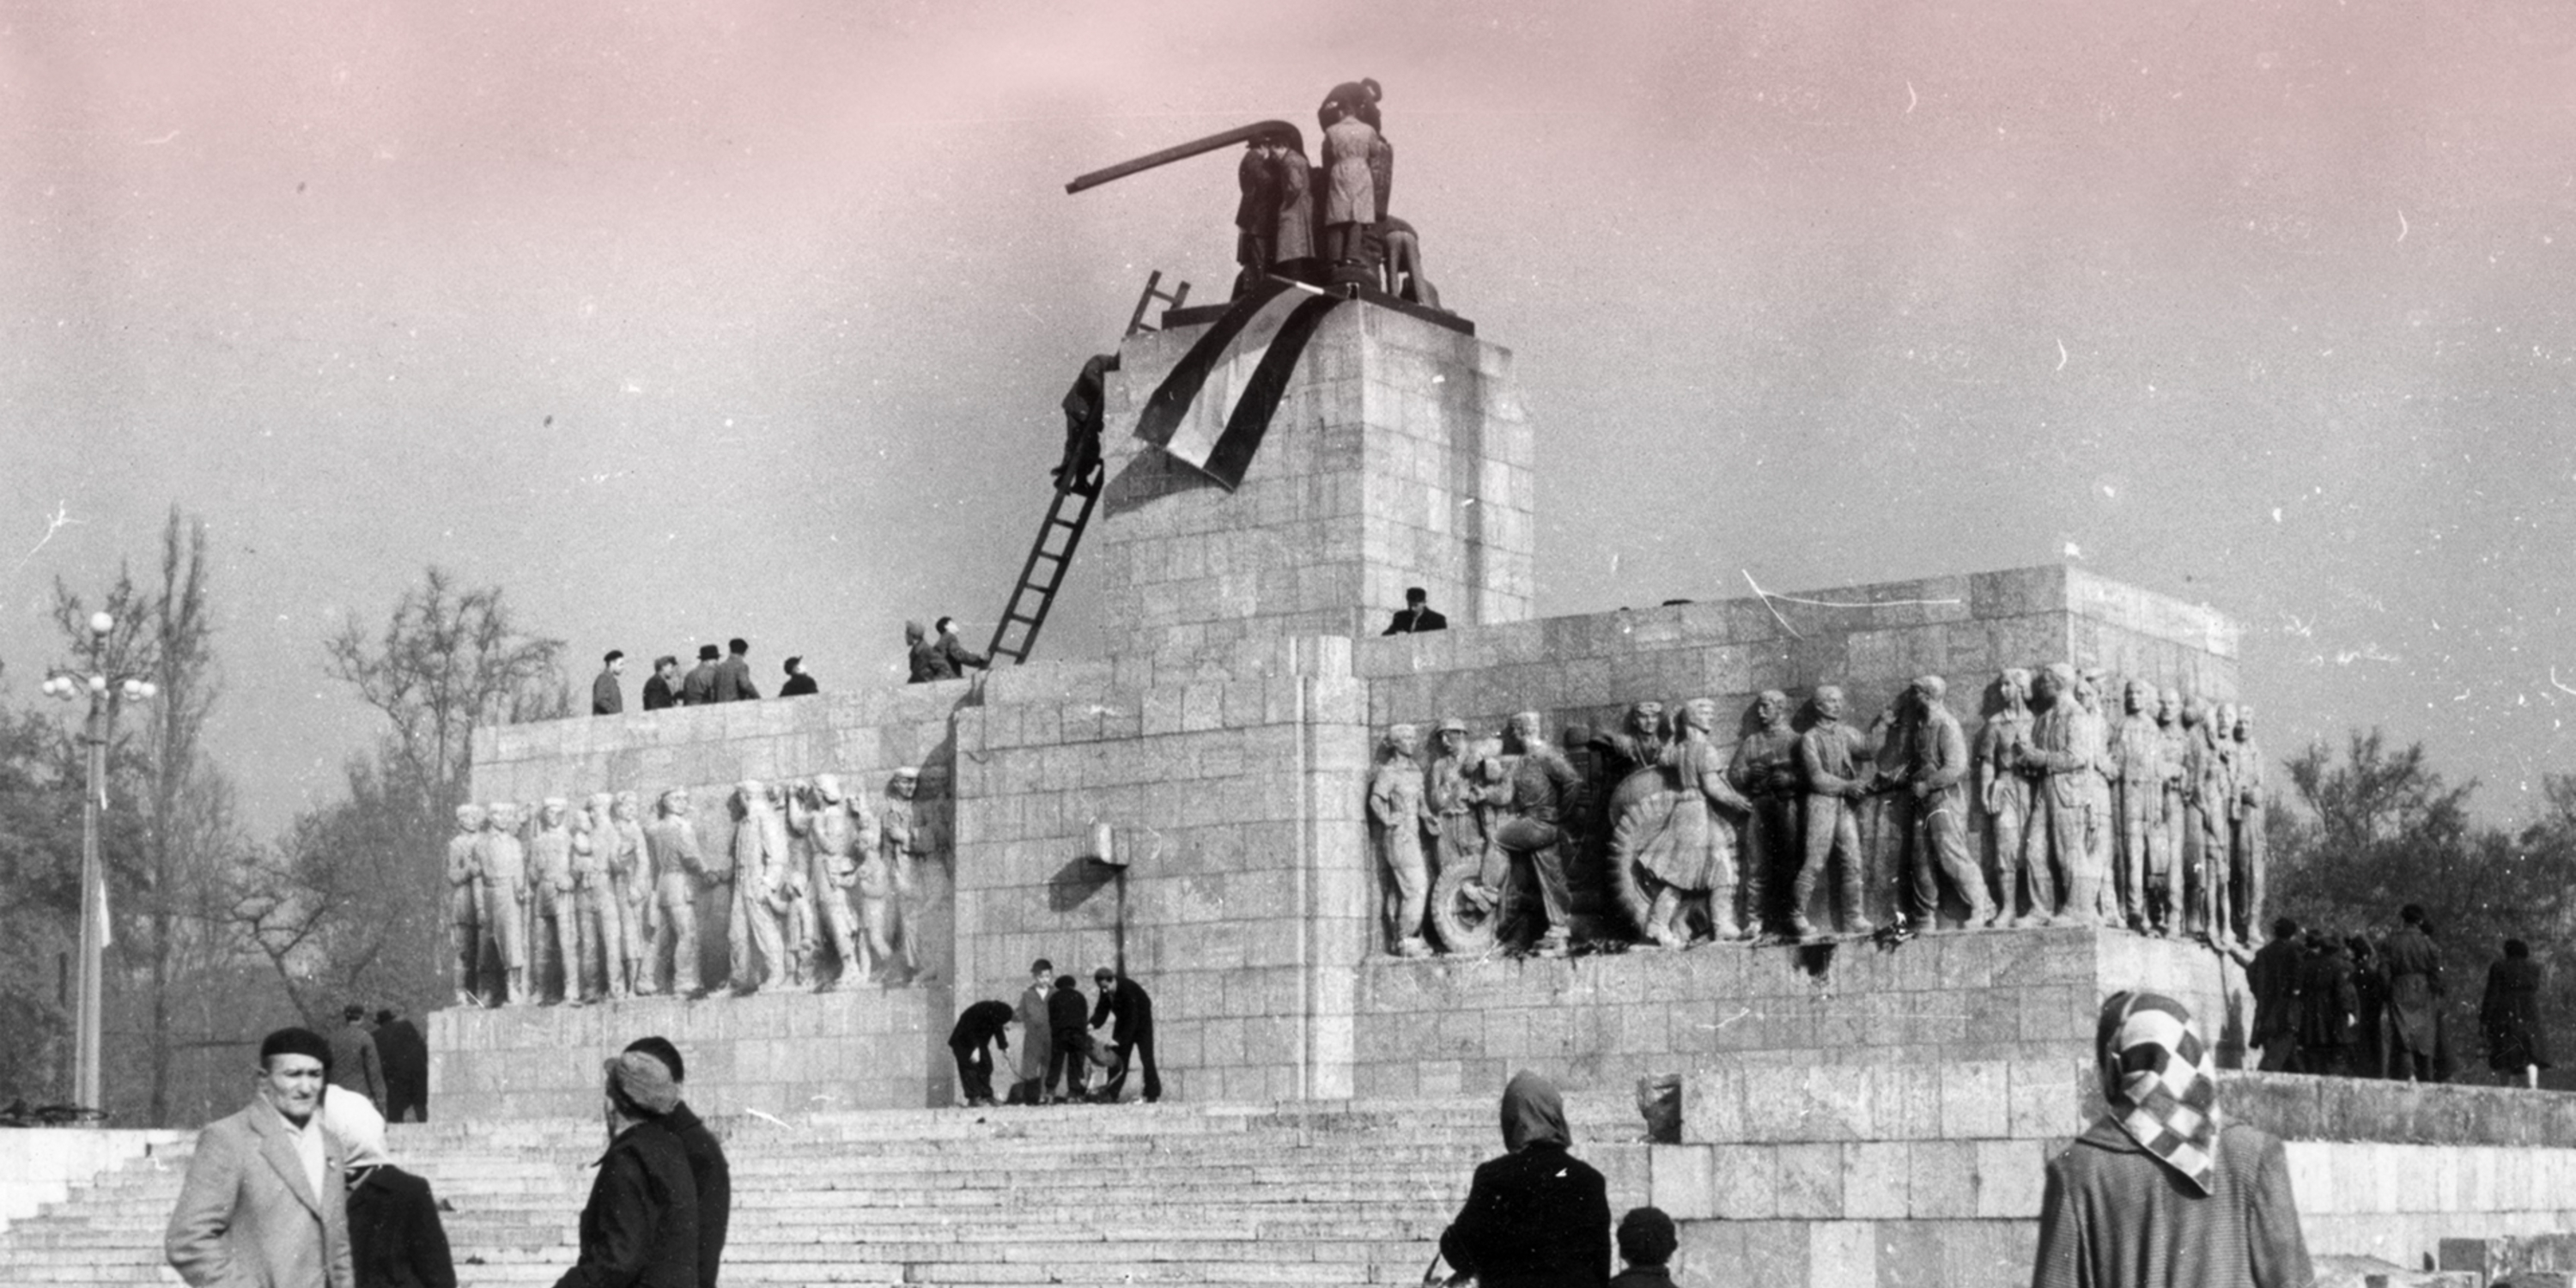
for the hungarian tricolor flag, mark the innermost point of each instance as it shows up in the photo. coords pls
(1212, 410)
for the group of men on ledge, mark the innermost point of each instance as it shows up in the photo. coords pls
(726, 676)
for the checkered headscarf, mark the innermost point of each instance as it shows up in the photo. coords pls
(2162, 1082)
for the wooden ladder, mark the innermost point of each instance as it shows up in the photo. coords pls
(1049, 558)
(1153, 292)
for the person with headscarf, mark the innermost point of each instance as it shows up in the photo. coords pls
(1537, 1217)
(2510, 1014)
(640, 1227)
(2161, 1192)
(395, 1237)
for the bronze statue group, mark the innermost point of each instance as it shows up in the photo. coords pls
(810, 874)
(2150, 817)
(1328, 223)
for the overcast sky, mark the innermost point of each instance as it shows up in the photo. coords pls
(682, 321)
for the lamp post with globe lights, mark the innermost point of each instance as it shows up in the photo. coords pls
(105, 692)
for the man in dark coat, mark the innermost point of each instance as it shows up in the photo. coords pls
(2328, 1005)
(709, 1173)
(2274, 975)
(699, 688)
(406, 1060)
(1536, 1217)
(1133, 1035)
(355, 1063)
(2414, 970)
(606, 698)
(798, 682)
(733, 675)
(980, 1027)
(1067, 1030)
(2517, 1043)
(640, 1227)
(942, 658)
(1416, 616)
(662, 688)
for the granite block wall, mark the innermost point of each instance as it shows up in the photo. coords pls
(1435, 1027)
(1399, 456)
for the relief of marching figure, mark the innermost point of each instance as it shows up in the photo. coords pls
(1673, 825)
(839, 834)
(756, 922)
(501, 885)
(680, 873)
(464, 903)
(903, 842)
(1400, 814)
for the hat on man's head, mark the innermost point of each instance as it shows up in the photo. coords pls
(791, 664)
(640, 1085)
(665, 660)
(296, 1041)
(1103, 975)
(353, 1011)
(738, 644)
(660, 1048)
(707, 653)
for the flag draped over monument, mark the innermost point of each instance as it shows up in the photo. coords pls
(1212, 411)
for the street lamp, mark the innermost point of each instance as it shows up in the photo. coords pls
(104, 692)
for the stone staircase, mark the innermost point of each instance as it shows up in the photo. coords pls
(1075, 1195)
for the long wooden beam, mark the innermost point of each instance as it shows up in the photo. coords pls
(1182, 152)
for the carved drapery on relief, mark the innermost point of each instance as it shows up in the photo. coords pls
(2066, 814)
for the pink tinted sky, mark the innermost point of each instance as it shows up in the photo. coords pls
(691, 320)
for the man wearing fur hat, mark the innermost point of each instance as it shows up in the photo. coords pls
(641, 1224)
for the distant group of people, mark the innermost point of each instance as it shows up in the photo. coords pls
(2329, 1004)
(387, 1063)
(1057, 1048)
(718, 677)
(298, 1187)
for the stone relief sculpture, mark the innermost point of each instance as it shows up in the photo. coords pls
(2164, 837)
(2005, 796)
(2064, 749)
(1673, 835)
(903, 843)
(592, 902)
(2245, 826)
(671, 917)
(502, 872)
(1836, 776)
(630, 873)
(2211, 784)
(756, 923)
(2138, 759)
(1543, 791)
(464, 915)
(831, 823)
(552, 916)
(1765, 771)
(1400, 816)
(1885, 815)
(1465, 891)
(2101, 826)
(1937, 843)
(798, 917)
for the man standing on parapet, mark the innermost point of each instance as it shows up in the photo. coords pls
(1545, 791)
(263, 1202)
(662, 687)
(1831, 758)
(698, 688)
(606, 698)
(1417, 615)
(708, 1169)
(733, 675)
(355, 1064)
(939, 659)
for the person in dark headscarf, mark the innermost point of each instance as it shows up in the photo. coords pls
(2160, 1192)
(2510, 1014)
(1537, 1217)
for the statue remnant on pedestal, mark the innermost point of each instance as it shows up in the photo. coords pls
(680, 871)
(1938, 842)
(502, 876)
(464, 915)
(1765, 770)
(1832, 761)
(1397, 809)
(552, 915)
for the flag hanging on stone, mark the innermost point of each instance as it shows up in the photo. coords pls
(1211, 412)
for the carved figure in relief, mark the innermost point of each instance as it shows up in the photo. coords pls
(1606, 761)
(1400, 817)
(1695, 864)
(1833, 764)
(501, 878)
(1466, 885)
(2101, 826)
(831, 824)
(2138, 761)
(552, 917)
(1544, 794)
(1938, 840)
(2213, 778)
(630, 871)
(797, 917)
(2165, 835)
(755, 924)
(2064, 749)
(1765, 771)
(679, 873)
(903, 842)
(2245, 822)
(591, 902)
(2005, 794)
(1886, 815)
(464, 915)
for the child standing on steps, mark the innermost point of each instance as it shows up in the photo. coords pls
(1069, 1023)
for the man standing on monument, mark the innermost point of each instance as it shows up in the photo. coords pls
(1940, 838)
(979, 1029)
(733, 675)
(606, 699)
(1416, 616)
(1765, 769)
(699, 688)
(1832, 762)
(464, 915)
(1545, 790)
(662, 687)
(501, 871)
(1256, 214)
(679, 872)
(263, 1202)
(1037, 1046)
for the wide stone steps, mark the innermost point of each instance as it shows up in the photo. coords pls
(1075, 1197)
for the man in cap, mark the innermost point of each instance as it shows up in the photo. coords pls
(641, 1225)
(262, 1202)
(1133, 1035)
(405, 1057)
(708, 1170)
(662, 687)
(733, 675)
(606, 698)
(355, 1064)
(942, 657)
(699, 688)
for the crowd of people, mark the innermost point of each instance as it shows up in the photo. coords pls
(726, 676)
(1058, 1050)
(299, 1188)
(387, 1061)
(2343, 1005)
